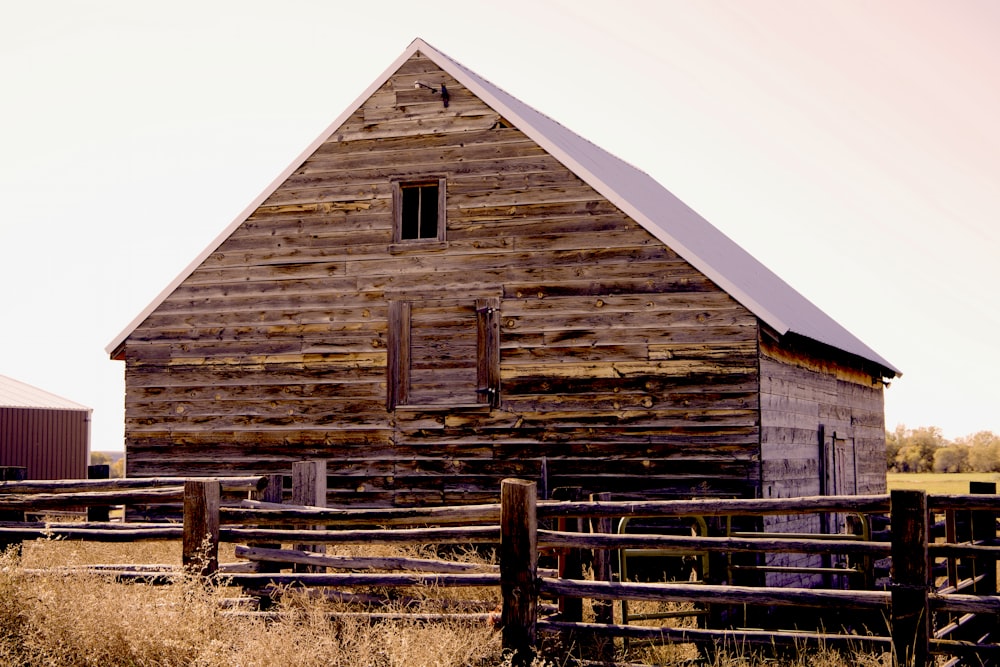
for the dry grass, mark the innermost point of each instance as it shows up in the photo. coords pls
(88, 620)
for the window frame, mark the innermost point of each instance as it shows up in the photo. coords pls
(398, 185)
(398, 362)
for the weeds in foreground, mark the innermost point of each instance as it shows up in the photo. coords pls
(84, 620)
(88, 620)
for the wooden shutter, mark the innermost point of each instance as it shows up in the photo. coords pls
(398, 361)
(488, 347)
(444, 352)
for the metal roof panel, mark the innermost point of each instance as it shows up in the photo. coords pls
(17, 394)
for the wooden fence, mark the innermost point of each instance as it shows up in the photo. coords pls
(940, 599)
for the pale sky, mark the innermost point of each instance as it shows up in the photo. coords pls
(851, 146)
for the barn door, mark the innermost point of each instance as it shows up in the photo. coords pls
(838, 471)
(845, 482)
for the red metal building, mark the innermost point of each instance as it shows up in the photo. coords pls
(47, 434)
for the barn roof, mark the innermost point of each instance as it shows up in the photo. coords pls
(636, 193)
(16, 394)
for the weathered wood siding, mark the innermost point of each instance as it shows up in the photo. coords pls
(623, 367)
(805, 399)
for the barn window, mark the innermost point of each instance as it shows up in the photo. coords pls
(444, 354)
(418, 211)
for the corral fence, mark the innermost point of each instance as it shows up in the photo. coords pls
(938, 603)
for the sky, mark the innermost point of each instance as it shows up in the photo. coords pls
(852, 146)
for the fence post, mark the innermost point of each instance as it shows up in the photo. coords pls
(274, 492)
(984, 529)
(99, 512)
(309, 483)
(910, 614)
(570, 560)
(12, 474)
(200, 546)
(518, 568)
(603, 609)
(309, 488)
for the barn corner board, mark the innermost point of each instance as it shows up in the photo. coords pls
(438, 296)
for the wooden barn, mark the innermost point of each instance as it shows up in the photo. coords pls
(448, 288)
(42, 436)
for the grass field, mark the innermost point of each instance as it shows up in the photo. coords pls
(934, 482)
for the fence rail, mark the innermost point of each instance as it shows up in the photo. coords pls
(927, 612)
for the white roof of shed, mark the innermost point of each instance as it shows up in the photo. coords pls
(16, 394)
(636, 193)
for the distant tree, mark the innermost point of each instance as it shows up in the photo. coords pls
(99, 458)
(925, 449)
(984, 451)
(893, 443)
(979, 439)
(951, 458)
(914, 448)
(118, 468)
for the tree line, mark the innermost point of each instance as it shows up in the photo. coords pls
(925, 449)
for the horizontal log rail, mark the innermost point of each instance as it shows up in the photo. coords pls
(942, 502)
(229, 484)
(113, 533)
(261, 513)
(260, 554)
(374, 617)
(108, 567)
(123, 575)
(965, 604)
(55, 501)
(963, 550)
(715, 507)
(735, 640)
(84, 525)
(954, 627)
(373, 579)
(962, 585)
(754, 595)
(685, 544)
(463, 535)
(42, 495)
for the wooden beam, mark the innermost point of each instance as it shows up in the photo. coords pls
(200, 544)
(309, 488)
(518, 569)
(910, 614)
